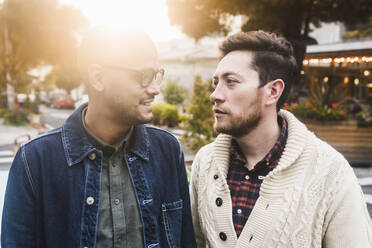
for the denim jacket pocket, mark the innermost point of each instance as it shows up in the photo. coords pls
(172, 217)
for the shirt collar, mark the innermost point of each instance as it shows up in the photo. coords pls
(77, 146)
(107, 149)
(271, 159)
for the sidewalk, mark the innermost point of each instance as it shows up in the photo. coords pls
(9, 133)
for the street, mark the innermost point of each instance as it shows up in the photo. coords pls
(55, 117)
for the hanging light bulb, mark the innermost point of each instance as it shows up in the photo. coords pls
(346, 80)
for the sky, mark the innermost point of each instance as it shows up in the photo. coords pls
(150, 15)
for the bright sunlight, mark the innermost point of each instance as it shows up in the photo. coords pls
(149, 15)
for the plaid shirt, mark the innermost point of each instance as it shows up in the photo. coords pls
(245, 184)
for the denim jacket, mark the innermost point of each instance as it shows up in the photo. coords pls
(53, 189)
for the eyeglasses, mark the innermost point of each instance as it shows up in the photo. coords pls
(147, 75)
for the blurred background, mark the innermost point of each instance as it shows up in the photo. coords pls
(40, 84)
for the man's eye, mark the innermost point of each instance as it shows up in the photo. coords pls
(231, 81)
(214, 83)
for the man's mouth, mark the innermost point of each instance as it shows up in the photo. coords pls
(147, 102)
(218, 112)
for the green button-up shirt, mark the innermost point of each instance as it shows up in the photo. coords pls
(119, 222)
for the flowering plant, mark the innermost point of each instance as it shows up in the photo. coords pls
(314, 110)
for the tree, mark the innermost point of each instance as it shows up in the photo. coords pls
(35, 32)
(199, 127)
(290, 18)
(66, 76)
(173, 93)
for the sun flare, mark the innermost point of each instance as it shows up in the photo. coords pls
(149, 15)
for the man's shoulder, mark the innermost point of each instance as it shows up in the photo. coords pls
(330, 161)
(47, 138)
(160, 133)
(206, 150)
(326, 152)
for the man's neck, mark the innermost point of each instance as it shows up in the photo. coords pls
(259, 141)
(105, 128)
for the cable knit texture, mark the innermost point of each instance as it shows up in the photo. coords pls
(311, 199)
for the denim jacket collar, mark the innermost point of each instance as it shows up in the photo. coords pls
(77, 147)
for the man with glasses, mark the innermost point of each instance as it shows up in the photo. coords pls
(103, 179)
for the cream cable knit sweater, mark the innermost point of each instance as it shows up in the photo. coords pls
(311, 199)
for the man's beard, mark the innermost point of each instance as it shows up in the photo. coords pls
(243, 125)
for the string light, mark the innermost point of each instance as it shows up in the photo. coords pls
(317, 61)
(356, 81)
(346, 80)
(366, 73)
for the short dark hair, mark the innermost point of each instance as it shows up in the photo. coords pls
(272, 57)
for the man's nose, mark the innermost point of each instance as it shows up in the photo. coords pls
(217, 95)
(153, 88)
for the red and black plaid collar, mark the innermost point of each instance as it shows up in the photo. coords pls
(271, 159)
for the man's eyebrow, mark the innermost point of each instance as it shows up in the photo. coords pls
(226, 74)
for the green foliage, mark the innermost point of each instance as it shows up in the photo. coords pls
(65, 76)
(3, 111)
(328, 93)
(199, 125)
(364, 119)
(173, 93)
(317, 111)
(289, 18)
(169, 115)
(165, 114)
(31, 107)
(17, 118)
(35, 32)
(358, 33)
(156, 113)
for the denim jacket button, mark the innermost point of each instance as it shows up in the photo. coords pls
(92, 156)
(90, 200)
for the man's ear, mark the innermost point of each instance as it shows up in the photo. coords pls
(273, 90)
(96, 77)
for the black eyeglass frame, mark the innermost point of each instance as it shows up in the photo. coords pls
(146, 80)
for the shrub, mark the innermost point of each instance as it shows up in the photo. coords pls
(313, 110)
(165, 114)
(169, 115)
(199, 124)
(15, 118)
(32, 107)
(174, 93)
(156, 113)
(3, 111)
(363, 119)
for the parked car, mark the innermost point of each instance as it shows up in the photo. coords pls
(63, 101)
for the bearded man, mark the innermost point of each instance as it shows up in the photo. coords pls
(267, 181)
